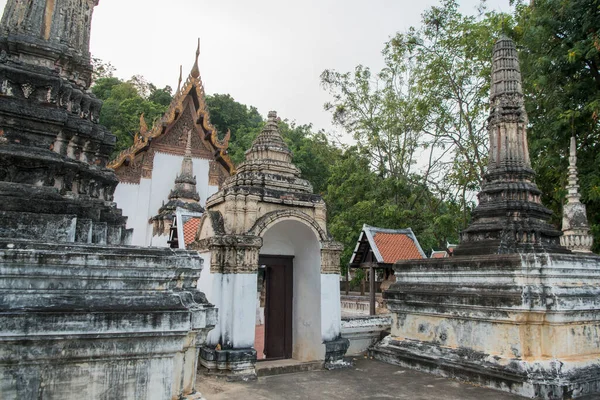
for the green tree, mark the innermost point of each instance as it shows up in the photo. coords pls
(124, 102)
(313, 153)
(432, 94)
(357, 195)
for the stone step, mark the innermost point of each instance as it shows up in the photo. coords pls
(279, 367)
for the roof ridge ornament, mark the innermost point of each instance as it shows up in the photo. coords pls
(143, 125)
(180, 80)
(196, 69)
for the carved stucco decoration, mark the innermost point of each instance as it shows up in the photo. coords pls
(267, 189)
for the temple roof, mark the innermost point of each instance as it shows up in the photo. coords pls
(387, 245)
(191, 88)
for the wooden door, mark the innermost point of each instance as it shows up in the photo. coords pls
(279, 281)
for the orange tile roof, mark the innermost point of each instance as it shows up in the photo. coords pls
(439, 254)
(189, 230)
(396, 246)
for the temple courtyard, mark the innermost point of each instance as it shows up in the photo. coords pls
(367, 379)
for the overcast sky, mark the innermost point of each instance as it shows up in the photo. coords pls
(266, 53)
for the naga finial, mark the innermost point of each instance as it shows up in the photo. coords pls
(180, 78)
(143, 125)
(196, 69)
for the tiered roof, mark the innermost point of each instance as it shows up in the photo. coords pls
(268, 164)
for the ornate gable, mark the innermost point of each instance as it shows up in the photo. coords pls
(187, 110)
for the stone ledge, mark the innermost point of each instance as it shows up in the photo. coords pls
(549, 379)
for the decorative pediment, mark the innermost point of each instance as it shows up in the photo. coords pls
(187, 109)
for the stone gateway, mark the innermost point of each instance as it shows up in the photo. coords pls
(266, 212)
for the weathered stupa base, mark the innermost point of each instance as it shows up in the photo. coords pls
(99, 322)
(234, 364)
(548, 379)
(523, 323)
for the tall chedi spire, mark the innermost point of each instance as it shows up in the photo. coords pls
(509, 217)
(575, 227)
(54, 152)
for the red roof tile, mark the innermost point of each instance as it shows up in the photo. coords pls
(439, 254)
(189, 230)
(396, 246)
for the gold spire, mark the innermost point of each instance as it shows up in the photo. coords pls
(196, 70)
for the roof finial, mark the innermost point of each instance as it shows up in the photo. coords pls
(196, 69)
(180, 78)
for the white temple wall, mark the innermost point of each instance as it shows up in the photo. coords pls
(235, 297)
(216, 298)
(133, 200)
(205, 283)
(211, 190)
(141, 202)
(160, 241)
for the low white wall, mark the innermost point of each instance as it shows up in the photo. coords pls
(140, 202)
(364, 331)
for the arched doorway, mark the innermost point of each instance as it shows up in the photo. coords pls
(290, 282)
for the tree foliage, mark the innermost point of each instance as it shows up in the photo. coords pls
(125, 102)
(428, 105)
(242, 121)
